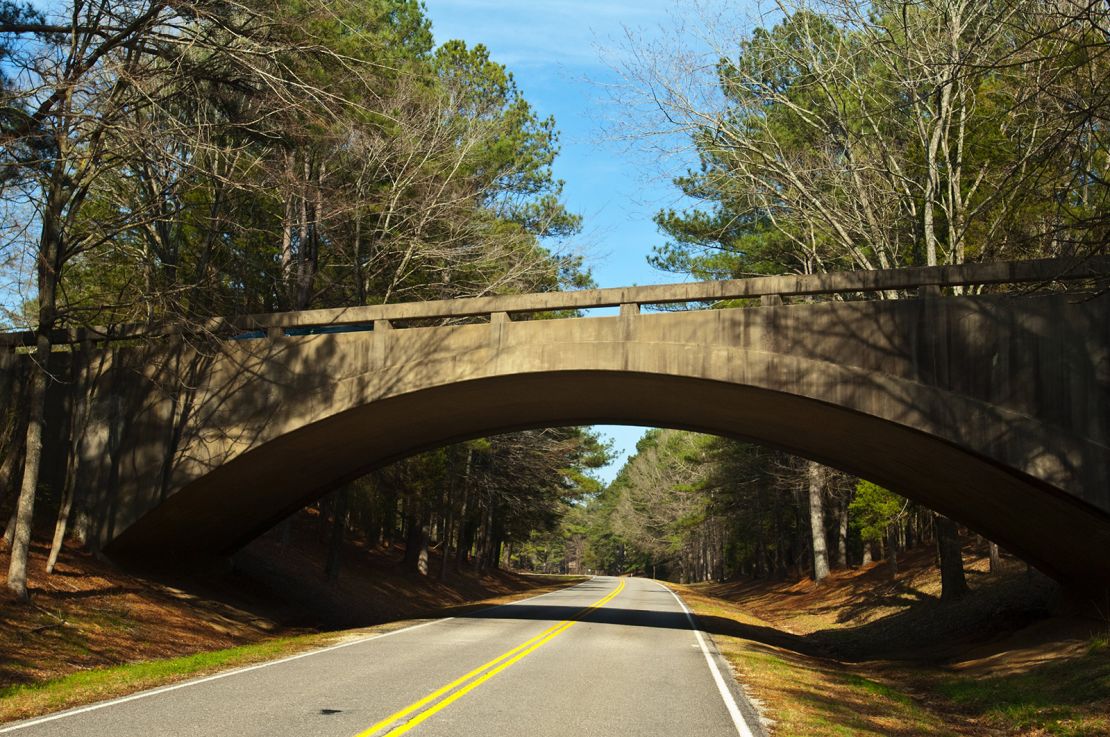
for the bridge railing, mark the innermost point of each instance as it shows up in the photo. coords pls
(925, 280)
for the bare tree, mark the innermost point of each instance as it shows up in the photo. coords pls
(876, 135)
(90, 79)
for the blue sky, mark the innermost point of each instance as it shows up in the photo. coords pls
(559, 53)
(554, 49)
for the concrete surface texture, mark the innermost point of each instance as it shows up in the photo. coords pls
(992, 409)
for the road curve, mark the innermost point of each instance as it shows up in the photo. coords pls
(610, 656)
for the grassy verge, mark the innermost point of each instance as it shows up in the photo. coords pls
(89, 686)
(806, 695)
(1069, 698)
(85, 687)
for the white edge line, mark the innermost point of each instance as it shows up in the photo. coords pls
(249, 668)
(730, 701)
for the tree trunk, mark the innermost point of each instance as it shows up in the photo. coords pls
(842, 534)
(297, 287)
(417, 536)
(995, 556)
(50, 260)
(389, 524)
(449, 514)
(12, 462)
(323, 528)
(13, 449)
(892, 551)
(485, 539)
(465, 528)
(953, 585)
(63, 521)
(445, 562)
(335, 545)
(78, 424)
(815, 474)
(287, 225)
(25, 507)
(495, 553)
(412, 534)
(422, 553)
(9, 529)
(466, 541)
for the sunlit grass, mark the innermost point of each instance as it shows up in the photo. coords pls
(84, 687)
(1069, 698)
(812, 697)
(808, 696)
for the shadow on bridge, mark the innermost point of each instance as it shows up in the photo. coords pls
(993, 410)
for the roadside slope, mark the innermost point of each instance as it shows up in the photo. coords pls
(864, 655)
(93, 631)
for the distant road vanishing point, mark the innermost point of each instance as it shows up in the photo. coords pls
(610, 656)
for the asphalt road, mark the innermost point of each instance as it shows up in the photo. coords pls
(606, 657)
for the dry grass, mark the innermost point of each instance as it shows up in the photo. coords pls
(866, 655)
(90, 615)
(806, 695)
(93, 631)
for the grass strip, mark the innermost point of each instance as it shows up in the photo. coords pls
(1068, 698)
(808, 696)
(85, 687)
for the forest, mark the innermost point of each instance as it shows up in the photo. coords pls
(692, 508)
(170, 162)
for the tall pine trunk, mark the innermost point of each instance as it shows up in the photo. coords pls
(12, 464)
(995, 556)
(50, 259)
(335, 545)
(79, 419)
(425, 539)
(953, 584)
(465, 530)
(25, 506)
(842, 534)
(892, 551)
(815, 475)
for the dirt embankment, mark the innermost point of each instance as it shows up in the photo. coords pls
(91, 614)
(865, 654)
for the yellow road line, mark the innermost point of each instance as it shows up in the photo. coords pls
(461, 679)
(481, 674)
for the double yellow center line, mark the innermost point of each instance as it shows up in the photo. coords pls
(466, 683)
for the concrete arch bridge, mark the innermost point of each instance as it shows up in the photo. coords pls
(992, 407)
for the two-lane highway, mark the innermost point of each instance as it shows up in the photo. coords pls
(610, 656)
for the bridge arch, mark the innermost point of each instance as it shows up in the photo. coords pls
(988, 409)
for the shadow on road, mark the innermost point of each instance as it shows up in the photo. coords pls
(649, 618)
(928, 630)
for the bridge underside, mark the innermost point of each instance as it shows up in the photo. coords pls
(241, 499)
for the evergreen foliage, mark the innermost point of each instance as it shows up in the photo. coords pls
(192, 160)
